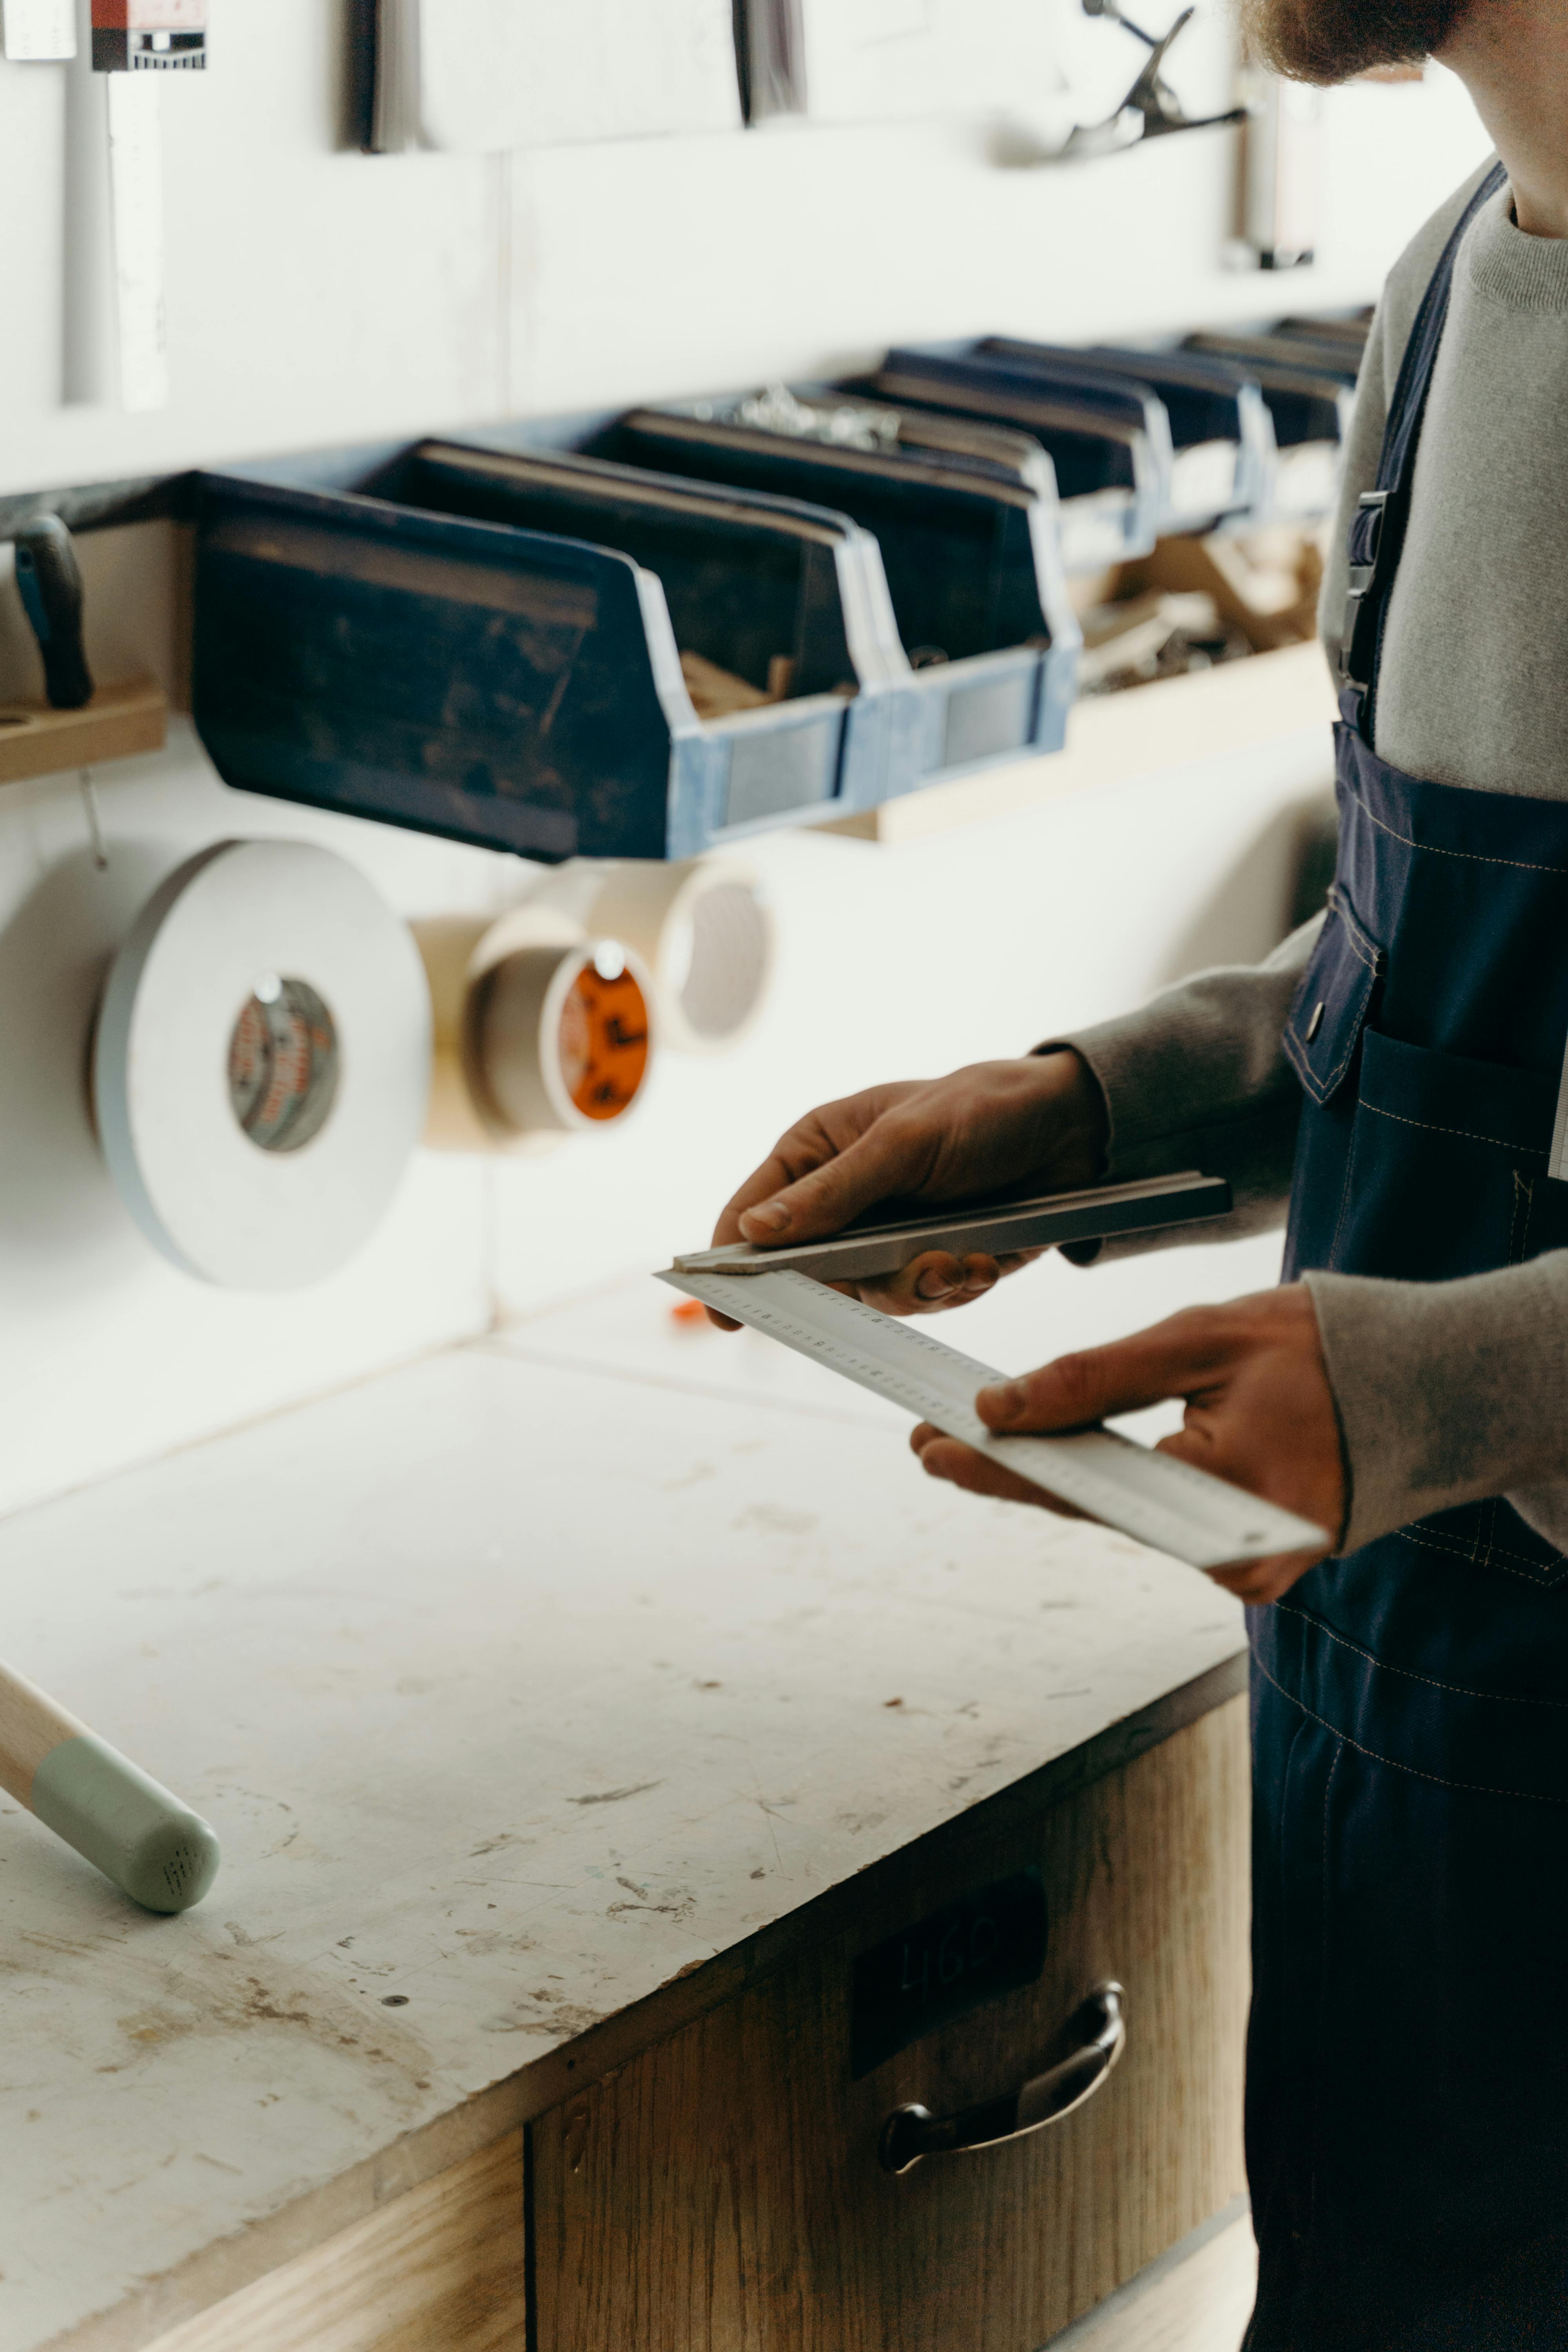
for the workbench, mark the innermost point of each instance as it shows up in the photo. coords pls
(576, 1707)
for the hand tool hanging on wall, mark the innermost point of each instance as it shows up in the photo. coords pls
(1150, 108)
(770, 59)
(1281, 169)
(116, 347)
(49, 582)
(163, 1854)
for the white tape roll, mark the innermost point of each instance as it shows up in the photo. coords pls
(262, 1064)
(703, 928)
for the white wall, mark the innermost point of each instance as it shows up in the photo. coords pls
(316, 296)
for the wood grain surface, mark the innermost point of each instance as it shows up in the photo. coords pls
(722, 2193)
(31, 1723)
(440, 2270)
(118, 721)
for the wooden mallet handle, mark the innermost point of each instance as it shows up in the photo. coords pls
(163, 1854)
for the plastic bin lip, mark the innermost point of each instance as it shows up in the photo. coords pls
(1262, 355)
(369, 511)
(1013, 455)
(790, 517)
(1138, 405)
(777, 717)
(1037, 398)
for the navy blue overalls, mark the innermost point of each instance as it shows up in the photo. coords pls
(1407, 2091)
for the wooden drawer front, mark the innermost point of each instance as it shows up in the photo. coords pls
(722, 2192)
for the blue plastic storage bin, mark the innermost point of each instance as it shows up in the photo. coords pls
(383, 632)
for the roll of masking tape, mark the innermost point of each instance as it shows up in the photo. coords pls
(261, 1064)
(706, 931)
(702, 927)
(540, 1032)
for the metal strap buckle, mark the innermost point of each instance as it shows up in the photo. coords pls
(1368, 539)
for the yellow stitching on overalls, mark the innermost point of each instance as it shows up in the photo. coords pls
(1457, 1690)
(1303, 1067)
(1470, 1135)
(1470, 1788)
(1469, 856)
(1541, 1577)
(1358, 941)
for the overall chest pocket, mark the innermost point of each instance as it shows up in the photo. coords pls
(1449, 1166)
(1333, 1000)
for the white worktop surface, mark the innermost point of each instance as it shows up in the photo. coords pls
(515, 1681)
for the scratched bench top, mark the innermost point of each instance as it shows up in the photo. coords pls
(516, 1689)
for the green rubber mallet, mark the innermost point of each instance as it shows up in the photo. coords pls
(163, 1854)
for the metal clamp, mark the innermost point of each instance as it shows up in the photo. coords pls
(1099, 2028)
(1369, 534)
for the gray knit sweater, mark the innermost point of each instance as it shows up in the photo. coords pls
(1447, 1392)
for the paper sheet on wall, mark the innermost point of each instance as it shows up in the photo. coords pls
(484, 76)
(869, 61)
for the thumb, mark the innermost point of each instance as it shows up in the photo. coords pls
(1170, 1360)
(880, 1163)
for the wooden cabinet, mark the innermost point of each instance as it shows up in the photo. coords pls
(722, 2192)
(720, 2189)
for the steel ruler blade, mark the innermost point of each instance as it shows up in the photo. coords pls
(1161, 1502)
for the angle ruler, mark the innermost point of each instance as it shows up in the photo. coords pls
(1161, 1502)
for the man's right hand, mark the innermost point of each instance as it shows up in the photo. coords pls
(1038, 1121)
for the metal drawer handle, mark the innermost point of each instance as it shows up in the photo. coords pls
(1101, 2027)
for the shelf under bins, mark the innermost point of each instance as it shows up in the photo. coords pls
(1109, 441)
(434, 637)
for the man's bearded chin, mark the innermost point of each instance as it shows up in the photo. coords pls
(1327, 41)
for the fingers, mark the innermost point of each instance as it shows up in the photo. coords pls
(813, 1142)
(1178, 1358)
(948, 1458)
(892, 1157)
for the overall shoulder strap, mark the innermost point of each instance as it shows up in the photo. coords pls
(1377, 527)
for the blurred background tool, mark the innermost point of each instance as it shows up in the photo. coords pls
(49, 581)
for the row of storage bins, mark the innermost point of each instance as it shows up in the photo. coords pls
(640, 634)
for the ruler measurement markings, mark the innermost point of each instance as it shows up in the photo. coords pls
(1145, 1493)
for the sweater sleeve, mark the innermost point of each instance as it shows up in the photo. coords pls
(1449, 1392)
(1197, 1078)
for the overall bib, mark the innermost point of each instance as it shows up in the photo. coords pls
(1408, 2064)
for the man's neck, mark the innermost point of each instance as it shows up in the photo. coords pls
(1512, 57)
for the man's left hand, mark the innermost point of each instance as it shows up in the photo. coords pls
(1260, 1412)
